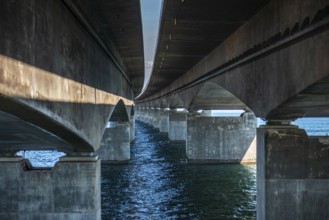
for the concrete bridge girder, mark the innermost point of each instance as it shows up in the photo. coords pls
(56, 75)
(210, 96)
(176, 101)
(311, 102)
(271, 58)
(261, 92)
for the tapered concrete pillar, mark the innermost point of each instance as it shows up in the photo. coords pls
(155, 117)
(221, 139)
(164, 121)
(138, 113)
(292, 174)
(132, 128)
(115, 144)
(141, 114)
(148, 116)
(70, 190)
(177, 126)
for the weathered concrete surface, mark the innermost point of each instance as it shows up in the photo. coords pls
(292, 174)
(191, 29)
(55, 75)
(132, 128)
(155, 118)
(140, 114)
(115, 144)
(164, 120)
(221, 139)
(146, 116)
(71, 190)
(177, 126)
(256, 67)
(16, 136)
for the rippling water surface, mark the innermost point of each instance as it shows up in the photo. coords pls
(159, 184)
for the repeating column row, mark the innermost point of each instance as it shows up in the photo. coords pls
(208, 139)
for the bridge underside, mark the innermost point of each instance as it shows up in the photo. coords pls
(276, 66)
(64, 66)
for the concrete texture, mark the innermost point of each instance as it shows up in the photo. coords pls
(132, 128)
(154, 118)
(164, 121)
(70, 190)
(190, 30)
(221, 139)
(146, 116)
(115, 145)
(54, 73)
(255, 65)
(177, 126)
(292, 174)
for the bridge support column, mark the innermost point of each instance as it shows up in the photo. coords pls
(221, 139)
(177, 126)
(138, 113)
(141, 114)
(155, 118)
(292, 174)
(148, 117)
(115, 144)
(164, 121)
(132, 128)
(70, 190)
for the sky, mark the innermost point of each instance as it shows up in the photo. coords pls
(151, 10)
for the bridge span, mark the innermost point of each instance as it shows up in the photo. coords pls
(268, 58)
(71, 79)
(66, 68)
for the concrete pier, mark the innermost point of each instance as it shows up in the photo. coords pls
(70, 190)
(115, 144)
(221, 139)
(147, 116)
(140, 114)
(155, 118)
(132, 128)
(177, 126)
(164, 121)
(292, 174)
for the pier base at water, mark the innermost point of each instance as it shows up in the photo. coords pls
(164, 121)
(221, 139)
(115, 144)
(70, 190)
(292, 174)
(155, 115)
(177, 126)
(132, 128)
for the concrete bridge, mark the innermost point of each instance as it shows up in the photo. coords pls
(67, 68)
(268, 58)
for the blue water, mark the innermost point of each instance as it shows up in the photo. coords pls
(159, 184)
(42, 158)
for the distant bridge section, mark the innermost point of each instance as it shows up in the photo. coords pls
(267, 61)
(269, 58)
